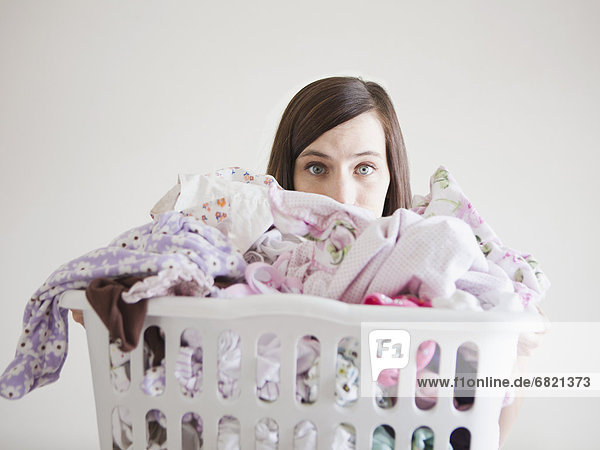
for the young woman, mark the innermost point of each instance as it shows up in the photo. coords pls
(340, 137)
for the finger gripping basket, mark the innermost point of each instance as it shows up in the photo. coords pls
(290, 318)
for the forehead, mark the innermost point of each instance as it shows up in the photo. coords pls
(356, 137)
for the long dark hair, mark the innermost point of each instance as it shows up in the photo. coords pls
(327, 103)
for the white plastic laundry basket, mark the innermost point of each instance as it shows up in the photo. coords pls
(291, 317)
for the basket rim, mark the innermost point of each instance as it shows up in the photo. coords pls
(319, 308)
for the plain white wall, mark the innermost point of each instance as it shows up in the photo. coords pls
(102, 104)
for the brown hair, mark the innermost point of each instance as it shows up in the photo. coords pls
(325, 104)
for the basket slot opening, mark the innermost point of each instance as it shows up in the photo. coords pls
(384, 436)
(268, 364)
(460, 439)
(267, 434)
(154, 361)
(229, 433)
(467, 359)
(308, 351)
(120, 367)
(191, 431)
(344, 437)
(387, 388)
(422, 438)
(188, 366)
(347, 371)
(122, 431)
(156, 429)
(229, 364)
(428, 370)
(305, 435)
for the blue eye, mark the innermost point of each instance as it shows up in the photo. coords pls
(316, 169)
(365, 169)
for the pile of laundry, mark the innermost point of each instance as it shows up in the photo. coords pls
(232, 233)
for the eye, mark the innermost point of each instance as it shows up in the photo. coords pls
(316, 169)
(365, 169)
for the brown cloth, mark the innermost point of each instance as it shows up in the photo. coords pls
(123, 320)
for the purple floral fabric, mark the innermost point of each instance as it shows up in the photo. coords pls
(173, 240)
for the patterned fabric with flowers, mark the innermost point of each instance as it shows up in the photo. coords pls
(226, 199)
(333, 244)
(328, 230)
(446, 198)
(173, 240)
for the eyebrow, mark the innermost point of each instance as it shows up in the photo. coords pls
(325, 156)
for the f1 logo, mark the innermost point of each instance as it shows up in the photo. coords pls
(388, 349)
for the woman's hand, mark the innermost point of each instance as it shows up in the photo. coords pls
(527, 343)
(531, 340)
(78, 316)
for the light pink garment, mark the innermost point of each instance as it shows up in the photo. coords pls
(303, 213)
(446, 198)
(347, 253)
(403, 252)
(326, 229)
(424, 257)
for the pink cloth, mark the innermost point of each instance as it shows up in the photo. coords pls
(430, 252)
(349, 253)
(405, 253)
(409, 301)
(446, 198)
(262, 278)
(327, 230)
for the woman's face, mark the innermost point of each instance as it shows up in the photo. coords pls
(347, 163)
